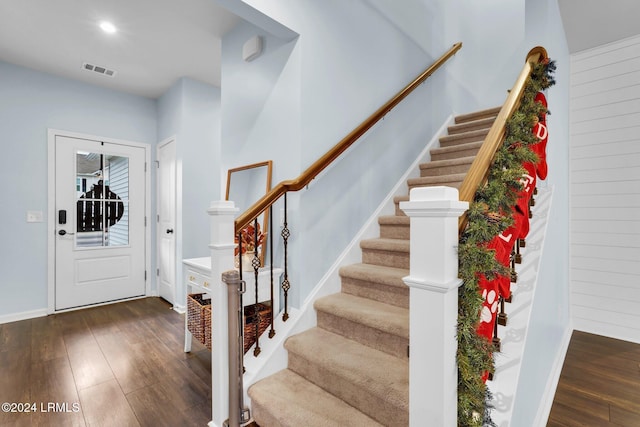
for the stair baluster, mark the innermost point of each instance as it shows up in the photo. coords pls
(272, 331)
(285, 282)
(255, 263)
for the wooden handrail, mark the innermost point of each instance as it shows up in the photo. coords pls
(479, 169)
(323, 162)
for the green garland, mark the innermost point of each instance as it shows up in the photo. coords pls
(475, 352)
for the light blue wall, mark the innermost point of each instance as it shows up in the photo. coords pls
(201, 179)
(303, 95)
(30, 103)
(495, 46)
(260, 103)
(261, 109)
(190, 112)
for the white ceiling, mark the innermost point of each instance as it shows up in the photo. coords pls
(160, 41)
(591, 23)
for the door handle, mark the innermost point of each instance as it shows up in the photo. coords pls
(64, 233)
(169, 230)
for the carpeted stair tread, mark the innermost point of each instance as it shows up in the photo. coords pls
(446, 167)
(464, 137)
(403, 198)
(372, 381)
(397, 200)
(394, 219)
(376, 282)
(288, 400)
(448, 162)
(477, 115)
(378, 315)
(394, 245)
(389, 276)
(388, 252)
(426, 181)
(484, 123)
(394, 227)
(456, 151)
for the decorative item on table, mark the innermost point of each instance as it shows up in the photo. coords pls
(249, 247)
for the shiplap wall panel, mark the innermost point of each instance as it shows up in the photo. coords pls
(625, 119)
(604, 201)
(586, 227)
(596, 262)
(608, 252)
(604, 279)
(605, 70)
(627, 93)
(606, 290)
(119, 183)
(623, 50)
(606, 214)
(625, 187)
(617, 238)
(609, 320)
(605, 189)
(605, 302)
(620, 82)
(609, 161)
(603, 327)
(606, 141)
(612, 109)
(604, 174)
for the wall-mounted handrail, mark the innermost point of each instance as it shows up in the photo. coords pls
(323, 162)
(479, 169)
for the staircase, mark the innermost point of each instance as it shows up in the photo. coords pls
(352, 368)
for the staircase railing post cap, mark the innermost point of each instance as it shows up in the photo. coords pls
(231, 276)
(433, 193)
(222, 207)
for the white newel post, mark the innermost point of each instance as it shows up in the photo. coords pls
(433, 282)
(222, 244)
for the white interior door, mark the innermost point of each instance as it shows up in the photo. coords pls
(100, 222)
(166, 178)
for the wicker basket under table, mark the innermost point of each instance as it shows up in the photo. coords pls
(199, 320)
(262, 315)
(199, 317)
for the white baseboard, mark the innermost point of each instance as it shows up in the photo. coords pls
(544, 409)
(25, 315)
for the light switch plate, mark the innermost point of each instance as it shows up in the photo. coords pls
(34, 216)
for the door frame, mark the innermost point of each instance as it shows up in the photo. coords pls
(51, 206)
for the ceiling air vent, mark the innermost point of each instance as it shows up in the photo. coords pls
(98, 69)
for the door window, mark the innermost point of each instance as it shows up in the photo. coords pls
(102, 207)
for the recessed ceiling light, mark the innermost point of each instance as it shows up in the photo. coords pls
(108, 27)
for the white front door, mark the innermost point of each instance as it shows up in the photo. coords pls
(166, 178)
(100, 222)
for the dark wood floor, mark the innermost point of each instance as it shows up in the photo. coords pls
(599, 384)
(123, 365)
(116, 365)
